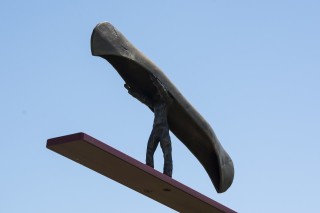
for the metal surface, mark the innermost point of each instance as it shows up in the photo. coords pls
(184, 121)
(121, 168)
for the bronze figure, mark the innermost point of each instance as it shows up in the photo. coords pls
(160, 131)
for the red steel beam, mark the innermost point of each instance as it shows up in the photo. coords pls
(123, 169)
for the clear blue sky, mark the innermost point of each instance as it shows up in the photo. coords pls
(251, 68)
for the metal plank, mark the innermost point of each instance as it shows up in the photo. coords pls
(118, 166)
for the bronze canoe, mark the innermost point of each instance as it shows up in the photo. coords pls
(184, 121)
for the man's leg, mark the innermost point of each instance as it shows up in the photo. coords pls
(151, 147)
(165, 144)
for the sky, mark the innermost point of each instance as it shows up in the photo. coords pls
(250, 68)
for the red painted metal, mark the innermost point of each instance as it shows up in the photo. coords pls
(122, 168)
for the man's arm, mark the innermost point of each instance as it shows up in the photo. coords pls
(161, 89)
(143, 99)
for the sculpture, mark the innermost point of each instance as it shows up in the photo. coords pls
(160, 130)
(183, 120)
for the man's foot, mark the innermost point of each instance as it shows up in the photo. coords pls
(167, 171)
(150, 164)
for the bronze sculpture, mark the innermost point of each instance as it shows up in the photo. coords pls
(184, 121)
(160, 131)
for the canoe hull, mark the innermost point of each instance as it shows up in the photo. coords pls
(184, 121)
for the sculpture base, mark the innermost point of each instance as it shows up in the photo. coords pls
(118, 166)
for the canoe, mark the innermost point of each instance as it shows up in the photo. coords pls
(184, 121)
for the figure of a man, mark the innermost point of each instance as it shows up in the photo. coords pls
(160, 130)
